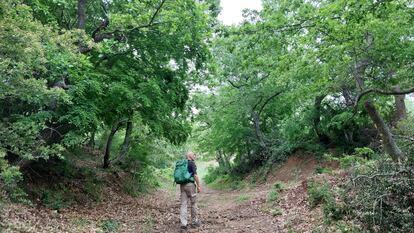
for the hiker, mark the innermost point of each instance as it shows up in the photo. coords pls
(188, 192)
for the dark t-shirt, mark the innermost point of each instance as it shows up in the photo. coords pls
(192, 168)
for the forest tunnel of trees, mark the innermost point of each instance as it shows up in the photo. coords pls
(323, 76)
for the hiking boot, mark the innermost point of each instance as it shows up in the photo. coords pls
(195, 224)
(183, 229)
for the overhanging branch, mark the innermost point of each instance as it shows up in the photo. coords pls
(369, 91)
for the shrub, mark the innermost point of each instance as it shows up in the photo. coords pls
(382, 197)
(57, 198)
(274, 193)
(318, 193)
(226, 182)
(333, 210)
(213, 173)
(94, 189)
(350, 160)
(10, 177)
(364, 152)
(141, 181)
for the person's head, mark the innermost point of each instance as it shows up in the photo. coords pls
(190, 155)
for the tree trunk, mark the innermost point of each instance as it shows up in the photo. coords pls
(390, 146)
(259, 133)
(107, 155)
(346, 93)
(81, 14)
(388, 141)
(125, 145)
(323, 138)
(400, 111)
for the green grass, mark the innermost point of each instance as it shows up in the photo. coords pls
(243, 198)
(274, 193)
(273, 196)
(323, 170)
(110, 225)
(277, 211)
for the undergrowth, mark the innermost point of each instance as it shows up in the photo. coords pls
(381, 196)
(110, 226)
(218, 179)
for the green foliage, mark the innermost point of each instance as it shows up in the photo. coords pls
(380, 196)
(350, 160)
(273, 196)
(364, 152)
(279, 185)
(274, 193)
(318, 193)
(218, 179)
(285, 79)
(322, 193)
(10, 178)
(110, 225)
(60, 84)
(58, 198)
(94, 189)
(213, 173)
(323, 170)
(142, 181)
(61, 183)
(334, 211)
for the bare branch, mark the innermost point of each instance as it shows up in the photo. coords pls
(369, 91)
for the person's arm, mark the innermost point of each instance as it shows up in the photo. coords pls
(197, 180)
(193, 168)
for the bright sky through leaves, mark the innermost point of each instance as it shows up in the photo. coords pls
(231, 12)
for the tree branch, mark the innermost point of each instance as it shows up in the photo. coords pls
(151, 22)
(236, 86)
(268, 100)
(369, 91)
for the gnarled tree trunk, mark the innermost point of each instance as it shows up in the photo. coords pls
(107, 155)
(125, 145)
(323, 138)
(390, 146)
(259, 134)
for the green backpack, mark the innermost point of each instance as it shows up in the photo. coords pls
(181, 174)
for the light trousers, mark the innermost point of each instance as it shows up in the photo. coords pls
(188, 192)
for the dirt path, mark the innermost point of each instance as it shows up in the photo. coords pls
(244, 210)
(230, 211)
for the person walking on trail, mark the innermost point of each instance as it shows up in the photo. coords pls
(189, 191)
